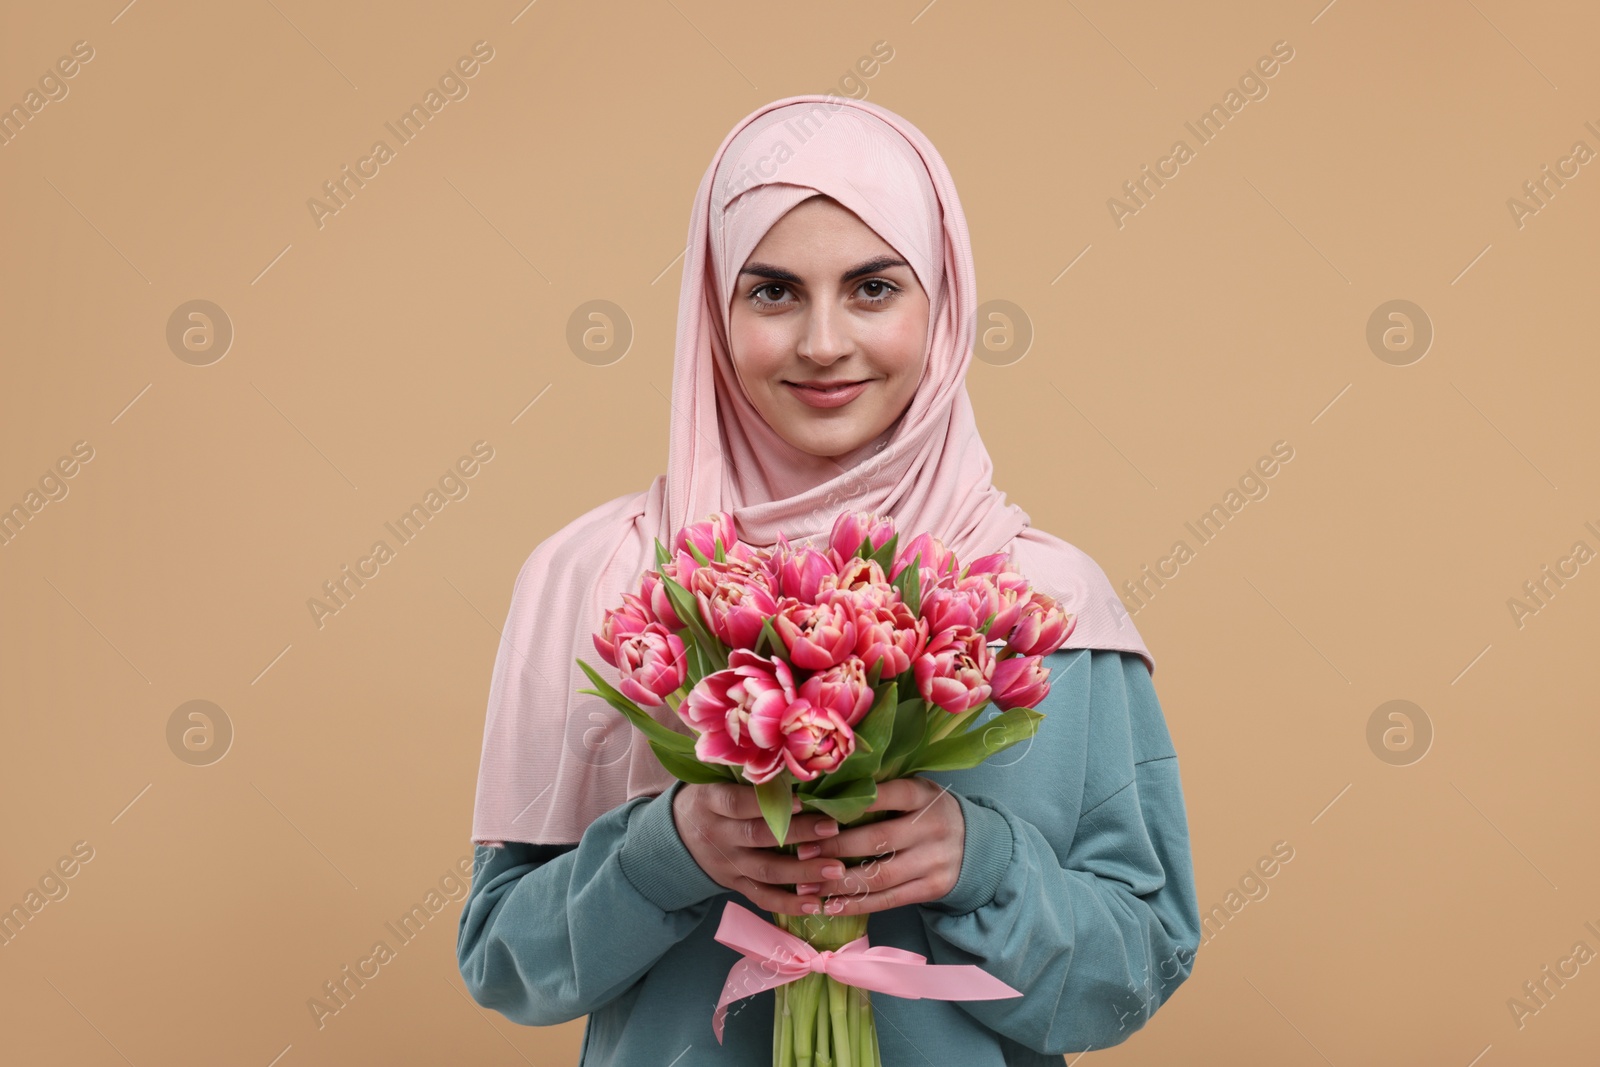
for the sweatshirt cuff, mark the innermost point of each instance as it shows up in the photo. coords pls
(655, 860)
(987, 854)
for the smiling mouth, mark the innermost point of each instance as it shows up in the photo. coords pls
(834, 396)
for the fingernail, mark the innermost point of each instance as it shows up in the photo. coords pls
(809, 909)
(796, 803)
(809, 851)
(833, 870)
(807, 889)
(828, 827)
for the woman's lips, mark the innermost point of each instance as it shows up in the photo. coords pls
(832, 398)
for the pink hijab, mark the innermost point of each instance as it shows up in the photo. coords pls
(554, 760)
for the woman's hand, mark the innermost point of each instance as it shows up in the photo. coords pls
(722, 826)
(916, 857)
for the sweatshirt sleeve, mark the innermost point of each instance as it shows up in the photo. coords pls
(1098, 938)
(549, 933)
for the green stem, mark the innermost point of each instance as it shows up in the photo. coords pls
(869, 1033)
(856, 993)
(824, 1050)
(786, 1028)
(839, 1013)
(953, 723)
(805, 1019)
(777, 1028)
(819, 1022)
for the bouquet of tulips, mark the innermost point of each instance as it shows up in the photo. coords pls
(823, 670)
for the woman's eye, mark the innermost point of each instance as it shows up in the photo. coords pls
(884, 289)
(873, 291)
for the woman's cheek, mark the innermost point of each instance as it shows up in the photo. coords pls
(902, 341)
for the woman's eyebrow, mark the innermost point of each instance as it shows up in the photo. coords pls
(778, 274)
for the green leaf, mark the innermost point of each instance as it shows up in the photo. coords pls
(652, 729)
(847, 802)
(694, 669)
(768, 642)
(885, 554)
(909, 582)
(960, 721)
(875, 673)
(694, 550)
(963, 750)
(906, 683)
(775, 641)
(777, 804)
(872, 737)
(714, 656)
(684, 606)
(910, 726)
(691, 769)
(662, 559)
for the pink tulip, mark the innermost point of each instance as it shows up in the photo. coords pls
(620, 623)
(801, 574)
(715, 527)
(1008, 594)
(937, 564)
(993, 563)
(681, 568)
(734, 600)
(851, 528)
(1020, 682)
(889, 632)
(815, 740)
(1042, 629)
(817, 635)
(954, 671)
(652, 663)
(767, 561)
(653, 591)
(857, 573)
(739, 713)
(947, 606)
(842, 689)
(735, 612)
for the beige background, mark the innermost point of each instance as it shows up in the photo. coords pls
(432, 310)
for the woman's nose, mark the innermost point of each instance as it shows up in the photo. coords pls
(826, 336)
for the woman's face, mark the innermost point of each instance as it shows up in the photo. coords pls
(824, 299)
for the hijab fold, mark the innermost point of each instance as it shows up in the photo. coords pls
(555, 760)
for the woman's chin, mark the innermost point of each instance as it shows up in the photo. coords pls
(829, 446)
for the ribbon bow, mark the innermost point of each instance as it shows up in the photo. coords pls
(775, 957)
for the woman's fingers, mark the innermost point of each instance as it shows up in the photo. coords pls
(905, 794)
(725, 831)
(731, 800)
(802, 828)
(737, 802)
(871, 875)
(775, 868)
(772, 898)
(871, 839)
(915, 891)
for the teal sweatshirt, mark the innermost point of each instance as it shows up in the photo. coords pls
(1076, 888)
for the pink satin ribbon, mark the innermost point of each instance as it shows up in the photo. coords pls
(774, 957)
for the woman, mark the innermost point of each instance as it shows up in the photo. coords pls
(826, 246)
